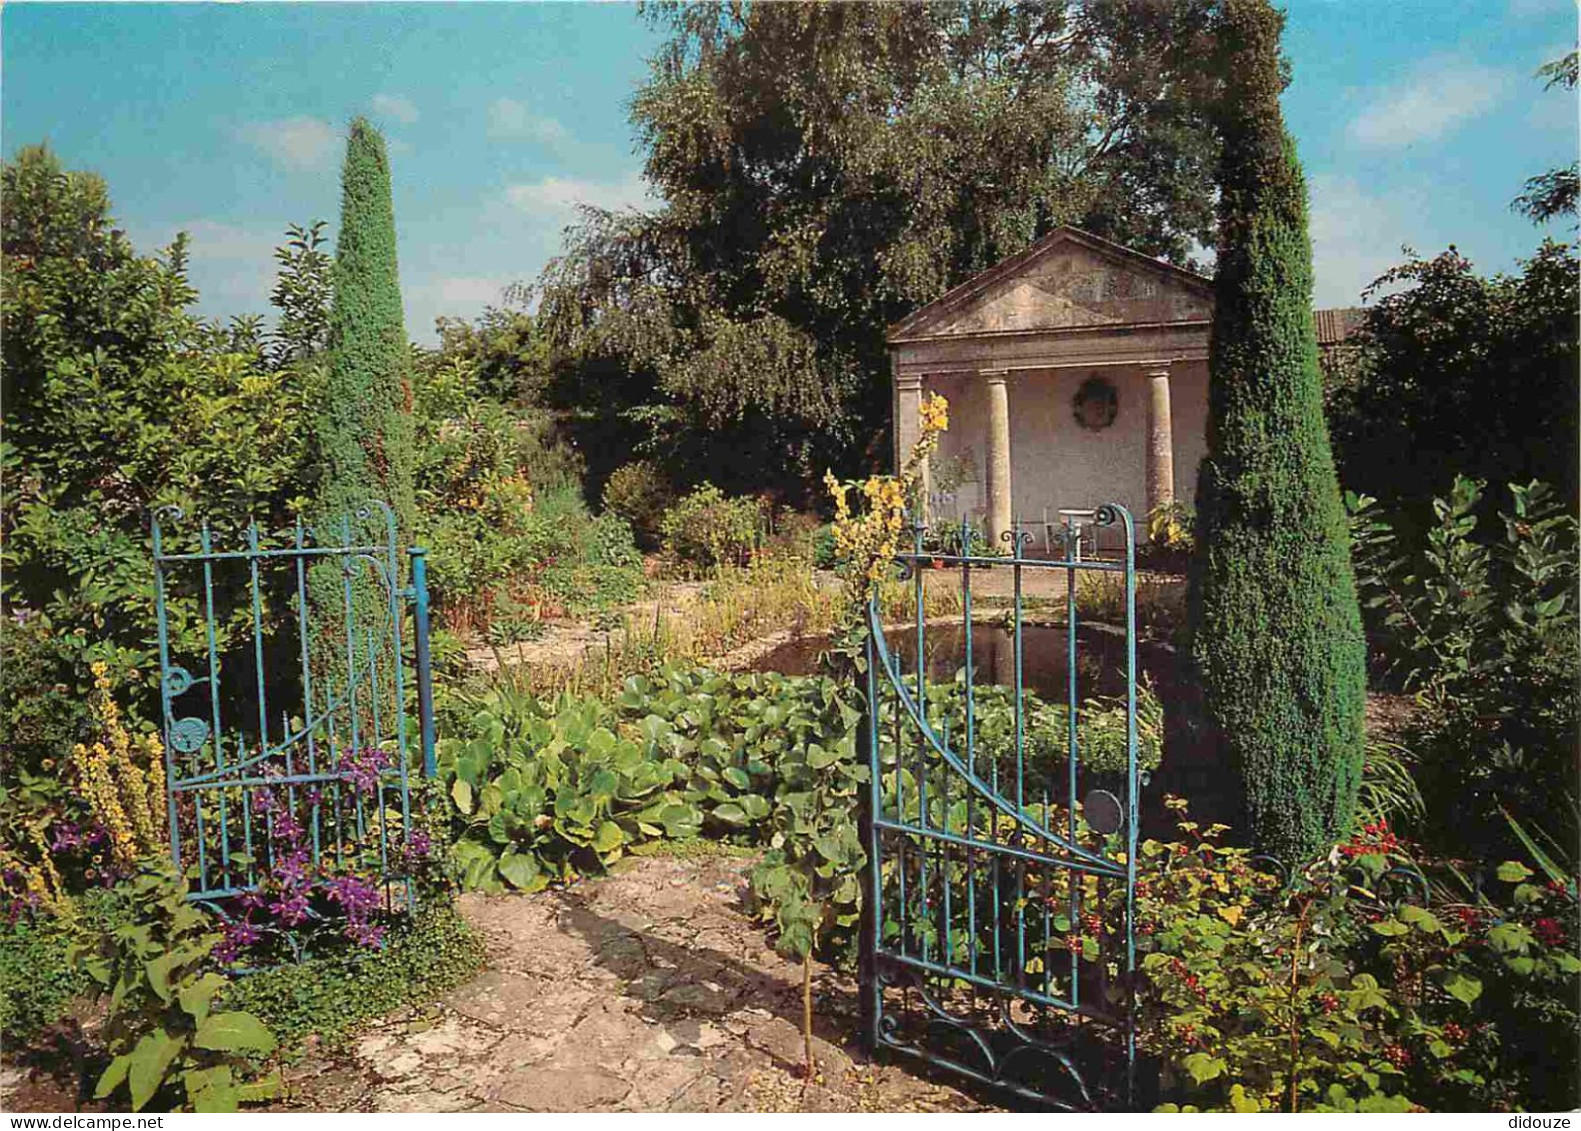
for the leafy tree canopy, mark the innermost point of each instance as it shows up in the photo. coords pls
(825, 169)
(1460, 372)
(1552, 193)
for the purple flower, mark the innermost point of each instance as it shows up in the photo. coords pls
(419, 845)
(364, 766)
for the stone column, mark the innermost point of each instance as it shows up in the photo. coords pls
(998, 415)
(908, 415)
(1160, 441)
(908, 429)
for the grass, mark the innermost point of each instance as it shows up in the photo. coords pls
(775, 594)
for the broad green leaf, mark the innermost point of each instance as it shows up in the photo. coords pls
(1203, 1067)
(730, 813)
(1513, 872)
(1462, 986)
(196, 997)
(264, 1088)
(149, 1060)
(233, 1032)
(113, 1076)
(1420, 918)
(520, 869)
(461, 794)
(211, 1089)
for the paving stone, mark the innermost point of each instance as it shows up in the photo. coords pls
(646, 991)
(498, 998)
(565, 1089)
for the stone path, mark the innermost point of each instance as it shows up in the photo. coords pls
(645, 991)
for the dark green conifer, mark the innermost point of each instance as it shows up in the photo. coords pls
(1275, 629)
(365, 423)
(363, 428)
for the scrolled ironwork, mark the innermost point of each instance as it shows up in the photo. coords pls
(188, 735)
(970, 859)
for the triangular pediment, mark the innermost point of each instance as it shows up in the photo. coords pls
(1068, 279)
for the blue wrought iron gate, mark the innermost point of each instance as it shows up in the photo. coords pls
(289, 716)
(998, 938)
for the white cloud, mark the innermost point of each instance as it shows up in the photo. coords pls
(396, 107)
(468, 290)
(297, 144)
(509, 118)
(561, 195)
(1356, 237)
(233, 243)
(1439, 94)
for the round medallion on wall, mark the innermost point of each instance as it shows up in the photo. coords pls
(1097, 403)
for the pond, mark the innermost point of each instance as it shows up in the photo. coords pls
(1189, 768)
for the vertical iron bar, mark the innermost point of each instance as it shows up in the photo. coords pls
(206, 546)
(258, 658)
(381, 815)
(425, 687)
(309, 723)
(1020, 717)
(1071, 752)
(161, 618)
(346, 570)
(1132, 807)
(971, 749)
(872, 922)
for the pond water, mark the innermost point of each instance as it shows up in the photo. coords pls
(1189, 769)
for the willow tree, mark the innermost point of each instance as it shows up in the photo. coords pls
(1276, 636)
(363, 430)
(821, 170)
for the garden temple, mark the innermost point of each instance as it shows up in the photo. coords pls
(1077, 374)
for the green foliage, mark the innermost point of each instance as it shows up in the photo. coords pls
(640, 493)
(363, 438)
(1101, 731)
(706, 529)
(546, 792)
(421, 959)
(827, 168)
(1342, 990)
(1171, 530)
(117, 400)
(1483, 626)
(1434, 364)
(169, 1042)
(364, 430)
(37, 977)
(1275, 632)
(507, 348)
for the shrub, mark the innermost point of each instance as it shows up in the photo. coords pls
(613, 543)
(1483, 626)
(166, 1038)
(1341, 989)
(707, 529)
(422, 958)
(37, 977)
(1276, 636)
(640, 492)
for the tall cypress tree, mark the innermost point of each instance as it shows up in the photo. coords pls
(364, 431)
(1275, 629)
(365, 426)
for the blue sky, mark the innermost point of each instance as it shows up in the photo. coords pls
(1418, 121)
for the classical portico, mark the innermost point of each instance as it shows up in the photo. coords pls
(1076, 374)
